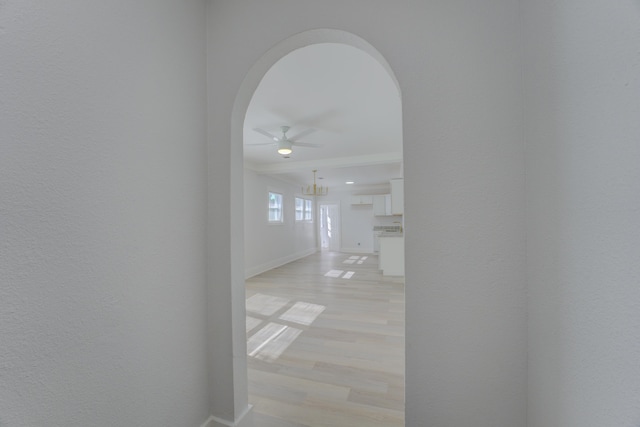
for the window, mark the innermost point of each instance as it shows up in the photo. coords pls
(275, 207)
(304, 209)
(308, 210)
(299, 209)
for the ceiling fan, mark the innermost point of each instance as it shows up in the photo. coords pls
(284, 143)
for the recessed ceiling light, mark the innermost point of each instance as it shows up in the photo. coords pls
(350, 182)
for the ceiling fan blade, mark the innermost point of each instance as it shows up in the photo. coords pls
(306, 144)
(267, 134)
(263, 143)
(302, 134)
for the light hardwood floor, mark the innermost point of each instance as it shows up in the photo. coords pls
(326, 351)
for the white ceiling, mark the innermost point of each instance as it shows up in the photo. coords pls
(347, 98)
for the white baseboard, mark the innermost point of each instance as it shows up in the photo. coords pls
(244, 420)
(254, 271)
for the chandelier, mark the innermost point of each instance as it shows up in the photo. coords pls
(315, 190)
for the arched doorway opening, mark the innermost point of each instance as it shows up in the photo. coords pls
(241, 105)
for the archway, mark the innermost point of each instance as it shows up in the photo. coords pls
(241, 104)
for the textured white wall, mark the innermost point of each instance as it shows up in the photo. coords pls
(267, 245)
(464, 216)
(583, 183)
(458, 64)
(102, 213)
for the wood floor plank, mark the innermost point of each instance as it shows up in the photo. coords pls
(345, 366)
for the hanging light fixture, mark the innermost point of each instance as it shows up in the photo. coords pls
(315, 190)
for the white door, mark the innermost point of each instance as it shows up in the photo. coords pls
(329, 227)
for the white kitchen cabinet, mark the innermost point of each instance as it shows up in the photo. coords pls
(397, 196)
(362, 200)
(391, 255)
(382, 205)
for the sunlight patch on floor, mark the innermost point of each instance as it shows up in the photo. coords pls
(334, 273)
(265, 305)
(271, 341)
(303, 313)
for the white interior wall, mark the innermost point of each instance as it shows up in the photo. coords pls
(583, 130)
(267, 245)
(357, 226)
(358, 221)
(464, 180)
(464, 216)
(102, 214)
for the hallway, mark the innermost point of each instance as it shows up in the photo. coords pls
(326, 343)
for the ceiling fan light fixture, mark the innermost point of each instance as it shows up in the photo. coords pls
(284, 147)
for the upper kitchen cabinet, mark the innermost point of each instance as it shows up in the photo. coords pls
(397, 196)
(382, 205)
(362, 200)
